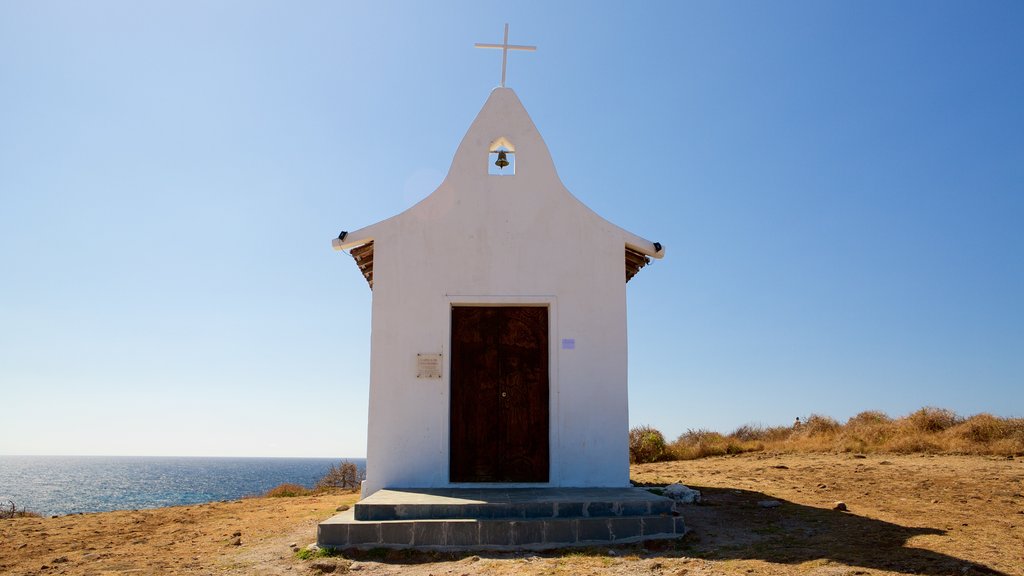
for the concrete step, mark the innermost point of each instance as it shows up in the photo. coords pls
(502, 519)
(344, 531)
(517, 503)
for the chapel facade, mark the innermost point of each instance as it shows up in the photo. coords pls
(498, 343)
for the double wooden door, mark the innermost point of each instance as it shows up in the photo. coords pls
(499, 394)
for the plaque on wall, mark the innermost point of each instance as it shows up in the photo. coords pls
(428, 365)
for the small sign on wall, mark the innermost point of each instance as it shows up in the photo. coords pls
(568, 343)
(428, 365)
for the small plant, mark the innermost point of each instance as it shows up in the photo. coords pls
(313, 552)
(646, 444)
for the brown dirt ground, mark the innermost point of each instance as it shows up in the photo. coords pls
(933, 515)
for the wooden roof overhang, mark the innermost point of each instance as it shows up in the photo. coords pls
(363, 256)
(634, 262)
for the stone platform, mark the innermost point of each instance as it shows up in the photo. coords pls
(501, 519)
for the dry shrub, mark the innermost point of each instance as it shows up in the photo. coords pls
(749, 433)
(699, 443)
(988, 434)
(912, 443)
(867, 432)
(646, 444)
(777, 433)
(1015, 436)
(928, 430)
(286, 490)
(816, 434)
(694, 444)
(10, 510)
(734, 447)
(869, 418)
(981, 428)
(818, 425)
(931, 419)
(1013, 444)
(345, 476)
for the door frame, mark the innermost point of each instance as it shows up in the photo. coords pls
(549, 302)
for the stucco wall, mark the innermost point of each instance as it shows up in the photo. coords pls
(481, 239)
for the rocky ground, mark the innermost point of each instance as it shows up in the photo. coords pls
(760, 514)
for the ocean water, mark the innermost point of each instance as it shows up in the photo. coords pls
(70, 484)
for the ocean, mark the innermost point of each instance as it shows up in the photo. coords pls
(52, 485)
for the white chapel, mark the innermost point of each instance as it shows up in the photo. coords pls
(498, 344)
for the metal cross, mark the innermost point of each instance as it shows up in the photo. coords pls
(505, 47)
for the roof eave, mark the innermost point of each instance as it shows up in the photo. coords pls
(643, 246)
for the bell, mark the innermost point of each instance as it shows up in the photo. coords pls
(502, 160)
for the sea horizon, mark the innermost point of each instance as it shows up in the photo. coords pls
(58, 485)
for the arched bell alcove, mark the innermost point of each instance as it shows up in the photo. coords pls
(501, 157)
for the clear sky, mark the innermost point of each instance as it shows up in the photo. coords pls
(839, 186)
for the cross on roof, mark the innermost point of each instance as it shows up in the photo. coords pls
(505, 47)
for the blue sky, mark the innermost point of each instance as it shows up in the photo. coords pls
(839, 185)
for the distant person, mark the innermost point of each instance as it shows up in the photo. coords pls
(796, 425)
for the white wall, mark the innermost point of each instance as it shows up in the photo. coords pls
(498, 239)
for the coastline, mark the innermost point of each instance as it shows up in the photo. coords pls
(62, 485)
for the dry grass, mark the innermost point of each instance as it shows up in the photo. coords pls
(928, 430)
(287, 490)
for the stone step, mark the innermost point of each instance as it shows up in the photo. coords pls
(518, 503)
(345, 531)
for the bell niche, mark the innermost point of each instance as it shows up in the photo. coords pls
(501, 160)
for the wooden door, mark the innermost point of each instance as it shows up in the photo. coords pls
(499, 394)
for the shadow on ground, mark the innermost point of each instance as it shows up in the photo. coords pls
(731, 525)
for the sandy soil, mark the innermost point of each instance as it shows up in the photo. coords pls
(931, 515)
